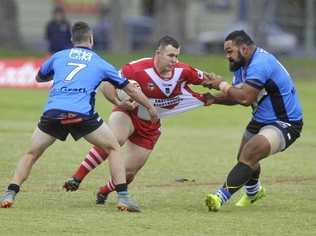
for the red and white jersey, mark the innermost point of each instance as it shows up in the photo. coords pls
(169, 96)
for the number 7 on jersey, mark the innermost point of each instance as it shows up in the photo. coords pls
(77, 67)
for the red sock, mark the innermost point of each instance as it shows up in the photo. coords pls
(109, 187)
(94, 158)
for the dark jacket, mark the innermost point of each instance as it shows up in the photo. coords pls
(58, 35)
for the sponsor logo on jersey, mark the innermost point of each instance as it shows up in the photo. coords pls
(167, 101)
(67, 90)
(80, 54)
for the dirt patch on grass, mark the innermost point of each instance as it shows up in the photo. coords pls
(271, 181)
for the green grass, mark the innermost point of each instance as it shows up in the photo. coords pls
(200, 145)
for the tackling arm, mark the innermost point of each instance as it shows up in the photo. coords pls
(137, 95)
(224, 99)
(109, 92)
(245, 95)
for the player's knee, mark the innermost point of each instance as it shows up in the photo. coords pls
(111, 146)
(251, 154)
(33, 153)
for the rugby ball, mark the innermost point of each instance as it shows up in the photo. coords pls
(124, 96)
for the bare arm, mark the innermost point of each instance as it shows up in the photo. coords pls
(137, 95)
(245, 95)
(223, 99)
(109, 92)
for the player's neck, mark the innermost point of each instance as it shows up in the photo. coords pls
(252, 50)
(83, 45)
(166, 75)
(163, 73)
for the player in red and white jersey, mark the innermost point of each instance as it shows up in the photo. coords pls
(164, 80)
(170, 95)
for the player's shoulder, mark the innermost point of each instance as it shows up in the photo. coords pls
(141, 64)
(100, 61)
(183, 65)
(186, 67)
(262, 57)
(61, 53)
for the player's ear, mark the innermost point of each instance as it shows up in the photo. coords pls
(91, 39)
(244, 49)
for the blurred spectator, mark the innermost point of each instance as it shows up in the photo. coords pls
(102, 30)
(58, 31)
(148, 7)
(139, 31)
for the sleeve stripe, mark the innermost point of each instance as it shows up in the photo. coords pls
(116, 84)
(254, 84)
(44, 77)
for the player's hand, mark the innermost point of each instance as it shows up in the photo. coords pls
(153, 114)
(127, 105)
(209, 99)
(211, 80)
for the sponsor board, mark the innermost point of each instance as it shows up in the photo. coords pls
(20, 73)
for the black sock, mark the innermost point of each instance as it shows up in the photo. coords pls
(237, 177)
(254, 177)
(14, 187)
(119, 188)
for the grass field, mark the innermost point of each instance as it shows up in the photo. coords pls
(200, 145)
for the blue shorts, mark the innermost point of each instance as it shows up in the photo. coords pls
(291, 130)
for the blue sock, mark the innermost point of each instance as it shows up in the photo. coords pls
(223, 194)
(251, 190)
(122, 193)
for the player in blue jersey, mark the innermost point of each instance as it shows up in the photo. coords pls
(261, 81)
(76, 74)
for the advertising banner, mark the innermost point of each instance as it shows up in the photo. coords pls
(20, 73)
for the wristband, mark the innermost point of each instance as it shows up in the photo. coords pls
(224, 86)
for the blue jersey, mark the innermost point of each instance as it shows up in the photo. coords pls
(77, 73)
(278, 98)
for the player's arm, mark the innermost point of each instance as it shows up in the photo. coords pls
(219, 98)
(138, 96)
(199, 77)
(245, 95)
(41, 78)
(46, 71)
(118, 80)
(109, 92)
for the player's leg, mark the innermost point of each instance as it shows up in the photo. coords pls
(253, 189)
(269, 140)
(39, 143)
(105, 139)
(136, 157)
(122, 127)
(253, 151)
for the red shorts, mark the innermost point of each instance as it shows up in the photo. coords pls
(146, 133)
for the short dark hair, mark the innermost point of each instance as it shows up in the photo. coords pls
(168, 40)
(80, 32)
(239, 37)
